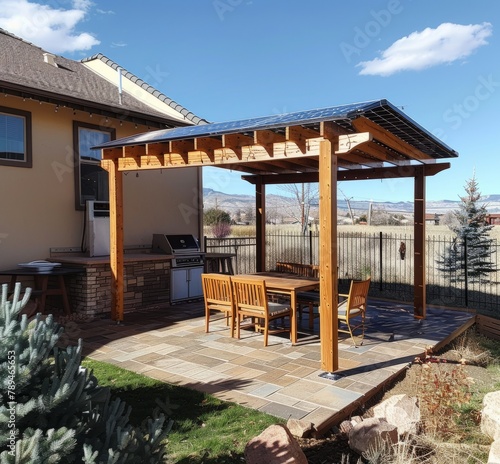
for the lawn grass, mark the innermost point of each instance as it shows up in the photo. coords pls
(205, 429)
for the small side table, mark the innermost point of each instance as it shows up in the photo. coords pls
(42, 283)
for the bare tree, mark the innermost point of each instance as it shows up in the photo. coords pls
(305, 196)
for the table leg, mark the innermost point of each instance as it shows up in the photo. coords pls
(42, 281)
(64, 293)
(293, 322)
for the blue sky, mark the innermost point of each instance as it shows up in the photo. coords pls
(232, 59)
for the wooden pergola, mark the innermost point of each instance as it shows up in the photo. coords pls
(371, 140)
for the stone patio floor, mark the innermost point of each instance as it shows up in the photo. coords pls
(285, 380)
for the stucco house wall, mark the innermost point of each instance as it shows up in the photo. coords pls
(37, 203)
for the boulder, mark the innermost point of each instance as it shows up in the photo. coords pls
(494, 456)
(490, 417)
(275, 445)
(402, 411)
(299, 428)
(370, 433)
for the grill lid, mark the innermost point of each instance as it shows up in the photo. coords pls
(175, 244)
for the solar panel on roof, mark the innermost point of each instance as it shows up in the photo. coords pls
(382, 112)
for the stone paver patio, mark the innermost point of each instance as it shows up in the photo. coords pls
(170, 344)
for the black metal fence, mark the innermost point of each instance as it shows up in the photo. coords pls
(387, 258)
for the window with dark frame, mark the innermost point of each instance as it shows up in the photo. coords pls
(91, 181)
(15, 138)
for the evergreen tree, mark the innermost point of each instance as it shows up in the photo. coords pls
(470, 253)
(52, 410)
(216, 216)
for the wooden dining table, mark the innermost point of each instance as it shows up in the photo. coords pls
(286, 284)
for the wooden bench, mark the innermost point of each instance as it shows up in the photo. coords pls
(299, 269)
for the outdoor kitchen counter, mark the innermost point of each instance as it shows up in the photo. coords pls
(127, 258)
(146, 281)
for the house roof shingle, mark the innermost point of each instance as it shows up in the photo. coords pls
(24, 72)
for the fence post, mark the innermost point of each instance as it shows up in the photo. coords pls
(205, 243)
(310, 247)
(466, 264)
(380, 262)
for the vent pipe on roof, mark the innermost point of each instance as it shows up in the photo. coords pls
(119, 85)
(49, 58)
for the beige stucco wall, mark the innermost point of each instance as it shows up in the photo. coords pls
(37, 205)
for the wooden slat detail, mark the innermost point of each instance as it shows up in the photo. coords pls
(387, 138)
(134, 151)
(300, 135)
(157, 149)
(330, 130)
(182, 149)
(349, 142)
(267, 139)
(355, 159)
(112, 153)
(207, 145)
(488, 326)
(236, 142)
(383, 154)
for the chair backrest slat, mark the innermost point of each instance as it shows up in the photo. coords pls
(358, 294)
(217, 288)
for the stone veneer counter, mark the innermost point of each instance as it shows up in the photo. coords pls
(146, 282)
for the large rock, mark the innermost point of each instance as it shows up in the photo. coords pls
(275, 445)
(299, 428)
(490, 417)
(402, 411)
(370, 433)
(494, 456)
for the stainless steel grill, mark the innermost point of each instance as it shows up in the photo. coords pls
(186, 266)
(183, 247)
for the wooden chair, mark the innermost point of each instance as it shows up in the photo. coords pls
(251, 300)
(354, 307)
(218, 296)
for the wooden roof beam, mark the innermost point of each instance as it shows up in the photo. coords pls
(383, 154)
(392, 172)
(299, 136)
(235, 143)
(349, 142)
(112, 153)
(267, 139)
(207, 145)
(363, 124)
(181, 148)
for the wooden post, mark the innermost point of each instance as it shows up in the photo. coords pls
(260, 224)
(419, 284)
(328, 257)
(115, 237)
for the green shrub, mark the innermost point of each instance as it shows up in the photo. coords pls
(53, 409)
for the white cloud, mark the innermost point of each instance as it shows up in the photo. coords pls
(430, 47)
(50, 28)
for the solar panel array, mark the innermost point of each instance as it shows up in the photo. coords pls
(380, 111)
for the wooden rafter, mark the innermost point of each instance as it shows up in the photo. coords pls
(236, 142)
(300, 135)
(207, 145)
(267, 139)
(387, 138)
(392, 172)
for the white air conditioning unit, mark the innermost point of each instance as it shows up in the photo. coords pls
(97, 228)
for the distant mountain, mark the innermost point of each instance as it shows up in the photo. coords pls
(234, 202)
